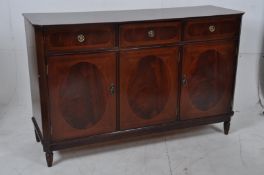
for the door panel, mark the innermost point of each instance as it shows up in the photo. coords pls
(148, 87)
(80, 101)
(208, 77)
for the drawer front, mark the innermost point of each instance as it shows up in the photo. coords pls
(80, 37)
(212, 28)
(141, 34)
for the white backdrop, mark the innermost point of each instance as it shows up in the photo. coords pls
(14, 77)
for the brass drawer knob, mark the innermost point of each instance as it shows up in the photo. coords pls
(212, 28)
(151, 33)
(81, 38)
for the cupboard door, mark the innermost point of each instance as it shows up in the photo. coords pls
(82, 97)
(207, 79)
(148, 87)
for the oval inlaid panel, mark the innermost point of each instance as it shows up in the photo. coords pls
(206, 84)
(82, 96)
(148, 88)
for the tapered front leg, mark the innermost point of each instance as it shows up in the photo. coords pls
(227, 126)
(49, 158)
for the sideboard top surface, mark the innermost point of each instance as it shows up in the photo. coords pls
(43, 19)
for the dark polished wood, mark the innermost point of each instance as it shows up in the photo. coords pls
(38, 132)
(212, 28)
(81, 103)
(132, 133)
(207, 79)
(35, 60)
(227, 126)
(140, 34)
(37, 137)
(65, 38)
(38, 82)
(101, 76)
(148, 87)
(49, 158)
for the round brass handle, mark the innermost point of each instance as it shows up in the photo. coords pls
(151, 33)
(211, 28)
(81, 38)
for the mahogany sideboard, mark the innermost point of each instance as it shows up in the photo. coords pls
(100, 76)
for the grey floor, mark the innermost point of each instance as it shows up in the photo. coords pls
(198, 151)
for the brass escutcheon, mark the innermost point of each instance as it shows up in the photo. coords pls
(151, 33)
(211, 28)
(81, 38)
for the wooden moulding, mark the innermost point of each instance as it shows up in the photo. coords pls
(126, 134)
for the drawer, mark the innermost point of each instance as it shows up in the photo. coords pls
(79, 37)
(211, 28)
(151, 33)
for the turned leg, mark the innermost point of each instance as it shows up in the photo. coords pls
(37, 137)
(49, 158)
(227, 126)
